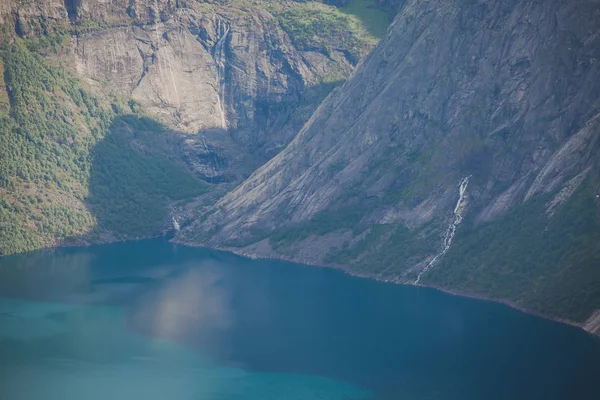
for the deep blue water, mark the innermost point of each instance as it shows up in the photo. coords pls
(153, 320)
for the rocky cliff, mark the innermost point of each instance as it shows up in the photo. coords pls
(226, 71)
(233, 80)
(462, 153)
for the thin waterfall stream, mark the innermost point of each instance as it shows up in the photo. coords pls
(222, 30)
(449, 235)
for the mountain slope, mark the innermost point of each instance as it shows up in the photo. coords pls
(229, 85)
(500, 98)
(63, 154)
(45, 133)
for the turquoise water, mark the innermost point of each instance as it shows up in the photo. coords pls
(152, 320)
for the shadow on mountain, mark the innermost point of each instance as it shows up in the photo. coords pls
(141, 170)
(275, 123)
(136, 174)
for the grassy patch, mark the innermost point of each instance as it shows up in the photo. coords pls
(374, 20)
(315, 26)
(4, 100)
(348, 254)
(388, 249)
(322, 223)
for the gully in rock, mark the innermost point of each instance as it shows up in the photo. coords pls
(449, 235)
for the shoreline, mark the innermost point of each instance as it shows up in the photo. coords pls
(346, 270)
(254, 256)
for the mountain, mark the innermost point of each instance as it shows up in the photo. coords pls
(463, 153)
(225, 86)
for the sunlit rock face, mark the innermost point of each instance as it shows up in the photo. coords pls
(162, 67)
(234, 79)
(230, 77)
(30, 17)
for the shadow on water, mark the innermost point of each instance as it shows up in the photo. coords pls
(45, 274)
(115, 274)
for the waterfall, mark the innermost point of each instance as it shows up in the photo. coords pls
(449, 235)
(222, 30)
(176, 226)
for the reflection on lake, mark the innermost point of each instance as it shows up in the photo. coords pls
(152, 320)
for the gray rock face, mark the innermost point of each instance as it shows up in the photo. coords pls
(228, 76)
(446, 91)
(503, 91)
(163, 67)
(212, 70)
(30, 18)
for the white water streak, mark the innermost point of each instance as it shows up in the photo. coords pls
(176, 225)
(449, 235)
(223, 29)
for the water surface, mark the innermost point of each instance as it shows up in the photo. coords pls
(153, 320)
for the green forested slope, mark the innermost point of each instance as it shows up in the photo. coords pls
(57, 143)
(135, 175)
(353, 29)
(551, 265)
(44, 152)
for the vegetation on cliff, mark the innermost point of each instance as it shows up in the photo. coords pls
(354, 29)
(44, 152)
(78, 163)
(135, 176)
(548, 264)
(66, 166)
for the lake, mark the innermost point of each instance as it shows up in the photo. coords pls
(154, 320)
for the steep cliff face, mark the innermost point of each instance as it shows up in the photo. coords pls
(470, 122)
(231, 78)
(229, 75)
(30, 18)
(211, 70)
